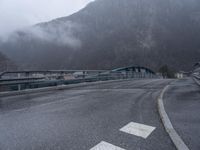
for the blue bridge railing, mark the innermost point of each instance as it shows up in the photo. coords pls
(21, 80)
(196, 75)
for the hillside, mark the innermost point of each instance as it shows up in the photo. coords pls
(5, 63)
(113, 33)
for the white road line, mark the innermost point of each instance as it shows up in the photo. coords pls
(106, 146)
(137, 129)
(178, 142)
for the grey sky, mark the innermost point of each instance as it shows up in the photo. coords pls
(16, 14)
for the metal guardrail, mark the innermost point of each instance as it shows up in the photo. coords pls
(21, 80)
(27, 73)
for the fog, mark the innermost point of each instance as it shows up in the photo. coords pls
(60, 34)
(17, 14)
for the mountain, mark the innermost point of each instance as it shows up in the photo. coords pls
(5, 63)
(113, 33)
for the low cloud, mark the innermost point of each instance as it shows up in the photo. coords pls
(60, 33)
(17, 14)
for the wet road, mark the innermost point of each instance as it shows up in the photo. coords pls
(80, 118)
(182, 103)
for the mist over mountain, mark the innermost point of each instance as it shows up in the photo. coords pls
(112, 33)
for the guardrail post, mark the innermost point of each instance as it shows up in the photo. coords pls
(84, 74)
(19, 85)
(99, 78)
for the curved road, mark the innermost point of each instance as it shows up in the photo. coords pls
(80, 118)
(182, 104)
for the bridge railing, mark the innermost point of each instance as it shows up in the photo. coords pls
(21, 80)
(196, 75)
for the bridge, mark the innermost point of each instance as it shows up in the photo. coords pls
(20, 80)
(127, 108)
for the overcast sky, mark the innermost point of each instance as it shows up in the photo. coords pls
(16, 14)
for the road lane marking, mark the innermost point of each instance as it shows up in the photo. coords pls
(106, 146)
(177, 140)
(137, 129)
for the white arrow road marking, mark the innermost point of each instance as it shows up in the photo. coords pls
(106, 146)
(137, 129)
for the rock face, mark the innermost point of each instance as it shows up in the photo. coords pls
(113, 33)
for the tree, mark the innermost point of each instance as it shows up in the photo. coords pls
(166, 72)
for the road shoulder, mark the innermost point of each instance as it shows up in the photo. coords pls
(178, 142)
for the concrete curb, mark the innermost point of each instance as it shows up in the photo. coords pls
(176, 139)
(60, 87)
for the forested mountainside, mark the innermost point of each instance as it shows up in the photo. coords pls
(6, 64)
(113, 33)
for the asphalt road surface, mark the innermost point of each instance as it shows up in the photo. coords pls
(182, 103)
(122, 114)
